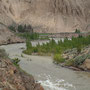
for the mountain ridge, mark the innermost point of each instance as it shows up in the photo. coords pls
(47, 16)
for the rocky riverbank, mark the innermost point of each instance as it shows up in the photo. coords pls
(77, 61)
(12, 78)
(51, 76)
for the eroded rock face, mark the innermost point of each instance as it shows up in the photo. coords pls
(47, 15)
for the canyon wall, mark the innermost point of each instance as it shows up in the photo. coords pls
(52, 16)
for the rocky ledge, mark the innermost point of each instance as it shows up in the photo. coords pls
(77, 61)
(12, 78)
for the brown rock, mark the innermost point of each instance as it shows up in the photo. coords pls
(86, 64)
(11, 78)
(41, 88)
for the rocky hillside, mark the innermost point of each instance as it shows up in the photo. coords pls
(12, 78)
(47, 15)
(78, 60)
(8, 37)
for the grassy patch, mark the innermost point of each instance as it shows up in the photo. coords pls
(16, 61)
(58, 48)
(58, 58)
(69, 63)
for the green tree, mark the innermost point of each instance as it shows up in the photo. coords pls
(20, 28)
(12, 28)
(77, 31)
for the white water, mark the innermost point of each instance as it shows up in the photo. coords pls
(58, 84)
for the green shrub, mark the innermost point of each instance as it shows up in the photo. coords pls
(58, 48)
(28, 44)
(16, 61)
(89, 56)
(35, 49)
(31, 36)
(69, 63)
(80, 59)
(21, 28)
(11, 27)
(25, 28)
(79, 49)
(29, 52)
(58, 58)
(29, 48)
(77, 31)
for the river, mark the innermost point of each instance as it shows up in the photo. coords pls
(51, 76)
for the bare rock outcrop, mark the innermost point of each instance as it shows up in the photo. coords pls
(47, 15)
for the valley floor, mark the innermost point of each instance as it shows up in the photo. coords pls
(51, 76)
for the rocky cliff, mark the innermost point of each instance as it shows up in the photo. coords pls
(47, 15)
(12, 78)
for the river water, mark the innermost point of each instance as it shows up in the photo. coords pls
(51, 76)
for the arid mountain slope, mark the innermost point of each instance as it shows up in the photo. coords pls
(8, 37)
(47, 15)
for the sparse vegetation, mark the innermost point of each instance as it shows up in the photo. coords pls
(80, 59)
(69, 62)
(79, 48)
(24, 28)
(11, 27)
(30, 36)
(3, 54)
(26, 31)
(77, 31)
(57, 49)
(58, 58)
(21, 28)
(16, 61)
